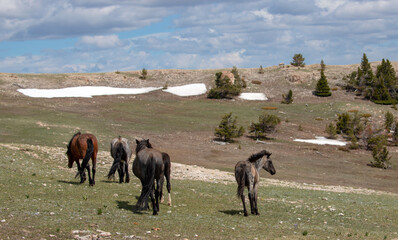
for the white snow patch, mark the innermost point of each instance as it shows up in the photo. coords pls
(322, 141)
(188, 90)
(84, 91)
(253, 96)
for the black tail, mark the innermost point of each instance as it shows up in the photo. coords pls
(167, 169)
(147, 183)
(241, 183)
(256, 156)
(89, 153)
(116, 162)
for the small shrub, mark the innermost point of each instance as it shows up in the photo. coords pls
(344, 149)
(287, 99)
(389, 120)
(256, 82)
(269, 108)
(228, 129)
(305, 233)
(381, 158)
(366, 115)
(334, 89)
(352, 110)
(261, 70)
(342, 125)
(331, 130)
(266, 124)
(319, 119)
(144, 73)
(117, 72)
(300, 128)
(99, 211)
(165, 86)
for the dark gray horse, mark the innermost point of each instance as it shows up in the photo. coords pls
(148, 166)
(246, 175)
(121, 153)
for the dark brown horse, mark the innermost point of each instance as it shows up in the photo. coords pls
(83, 146)
(148, 166)
(121, 153)
(246, 175)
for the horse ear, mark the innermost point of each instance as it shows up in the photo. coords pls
(147, 140)
(136, 141)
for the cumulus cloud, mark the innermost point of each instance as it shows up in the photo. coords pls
(195, 34)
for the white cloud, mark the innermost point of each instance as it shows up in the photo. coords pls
(109, 41)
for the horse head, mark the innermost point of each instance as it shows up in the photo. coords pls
(268, 165)
(142, 144)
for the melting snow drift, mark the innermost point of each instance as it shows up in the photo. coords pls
(188, 90)
(253, 96)
(90, 91)
(86, 91)
(322, 141)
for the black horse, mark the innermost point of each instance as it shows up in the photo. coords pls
(246, 175)
(148, 166)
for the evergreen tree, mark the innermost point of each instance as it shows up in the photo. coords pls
(261, 69)
(323, 65)
(386, 72)
(298, 60)
(388, 121)
(144, 73)
(380, 93)
(365, 76)
(322, 86)
(287, 99)
(266, 124)
(227, 129)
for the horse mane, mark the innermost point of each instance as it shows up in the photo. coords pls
(256, 156)
(70, 142)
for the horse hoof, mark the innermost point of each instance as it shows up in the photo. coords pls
(127, 180)
(246, 214)
(155, 213)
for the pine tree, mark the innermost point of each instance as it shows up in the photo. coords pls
(322, 86)
(227, 129)
(323, 65)
(266, 124)
(366, 76)
(261, 69)
(287, 99)
(298, 60)
(386, 72)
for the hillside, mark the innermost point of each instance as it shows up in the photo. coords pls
(318, 191)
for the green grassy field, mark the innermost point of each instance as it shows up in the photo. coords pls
(40, 198)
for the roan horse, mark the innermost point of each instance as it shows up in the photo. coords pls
(246, 175)
(121, 153)
(83, 146)
(148, 166)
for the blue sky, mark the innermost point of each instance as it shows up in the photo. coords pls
(53, 36)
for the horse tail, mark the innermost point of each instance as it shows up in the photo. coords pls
(167, 169)
(147, 183)
(116, 162)
(89, 153)
(241, 182)
(256, 156)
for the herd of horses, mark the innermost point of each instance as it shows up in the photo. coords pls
(152, 167)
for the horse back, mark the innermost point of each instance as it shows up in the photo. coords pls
(79, 144)
(126, 148)
(149, 156)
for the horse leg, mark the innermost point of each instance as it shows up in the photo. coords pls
(251, 199)
(155, 211)
(244, 205)
(126, 169)
(161, 197)
(90, 180)
(255, 189)
(120, 171)
(157, 193)
(81, 172)
(94, 169)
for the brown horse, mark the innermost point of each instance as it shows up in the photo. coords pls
(83, 146)
(246, 175)
(148, 166)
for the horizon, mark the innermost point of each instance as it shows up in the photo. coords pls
(103, 36)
